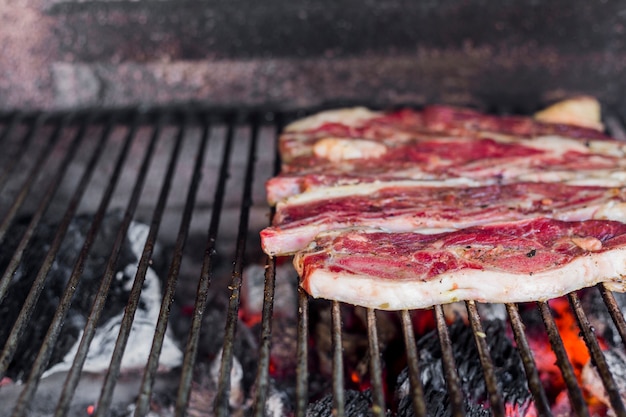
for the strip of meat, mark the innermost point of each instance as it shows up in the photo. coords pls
(406, 124)
(522, 261)
(415, 206)
(550, 158)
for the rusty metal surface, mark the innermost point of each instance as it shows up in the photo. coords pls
(338, 387)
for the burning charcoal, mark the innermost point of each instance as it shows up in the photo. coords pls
(508, 368)
(358, 404)
(278, 403)
(437, 402)
(487, 311)
(236, 394)
(616, 360)
(204, 388)
(598, 315)
(285, 291)
(109, 325)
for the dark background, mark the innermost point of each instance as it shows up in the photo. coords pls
(283, 54)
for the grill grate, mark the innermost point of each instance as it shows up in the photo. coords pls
(57, 165)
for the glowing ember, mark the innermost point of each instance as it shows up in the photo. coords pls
(91, 409)
(570, 333)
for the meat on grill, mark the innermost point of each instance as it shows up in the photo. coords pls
(528, 260)
(419, 206)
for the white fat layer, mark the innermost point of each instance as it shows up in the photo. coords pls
(559, 145)
(613, 210)
(348, 116)
(143, 327)
(339, 191)
(592, 177)
(342, 149)
(483, 286)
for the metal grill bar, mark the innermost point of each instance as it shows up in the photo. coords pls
(575, 393)
(26, 187)
(221, 407)
(378, 408)
(37, 287)
(223, 387)
(129, 313)
(417, 391)
(10, 161)
(202, 293)
(147, 382)
(90, 327)
(339, 399)
(64, 303)
(13, 162)
(496, 404)
(44, 354)
(262, 379)
(614, 311)
(302, 372)
(534, 383)
(597, 356)
(449, 366)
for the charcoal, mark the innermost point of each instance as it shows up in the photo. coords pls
(616, 361)
(58, 276)
(599, 316)
(357, 404)
(508, 368)
(438, 402)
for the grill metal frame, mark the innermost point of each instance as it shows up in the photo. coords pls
(31, 126)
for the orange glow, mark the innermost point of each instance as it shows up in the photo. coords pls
(272, 368)
(570, 333)
(423, 321)
(250, 319)
(91, 409)
(354, 377)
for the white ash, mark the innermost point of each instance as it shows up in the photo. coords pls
(143, 327)
(285, 290)
(616, 361)
(486, 311)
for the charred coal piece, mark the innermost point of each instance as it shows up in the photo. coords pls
(598, 315)
(358, 404)
(508, 366)
(616, 360)
(58, 276)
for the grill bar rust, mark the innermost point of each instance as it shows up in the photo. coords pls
(34, 173)
(567, 370)
(55, 127)
(113, 372)
(269, 287)
(202, 292)
(73, 375)
(28, 305)
(597, 356)
(417, 391)
(378, 408)
(614, 311)
(302, 371)
(339, 399)
(64, 303)
(147, 383)
(223, 387)
(530, 367)
(449, 366)
(496, 404)
(44, 354)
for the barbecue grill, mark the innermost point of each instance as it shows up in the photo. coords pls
(55, 166)
(168, 113)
